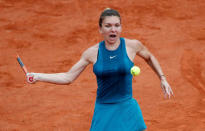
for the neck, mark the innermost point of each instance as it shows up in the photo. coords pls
(112, 46)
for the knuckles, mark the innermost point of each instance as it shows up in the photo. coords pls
(30, 78)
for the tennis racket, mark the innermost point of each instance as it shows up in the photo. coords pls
(30, 78)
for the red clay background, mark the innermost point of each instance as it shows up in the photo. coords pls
(50, 36)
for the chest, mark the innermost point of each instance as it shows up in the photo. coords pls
(112, 64)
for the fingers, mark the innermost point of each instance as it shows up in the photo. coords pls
(166, 94)
(31, 78)
(171, 92)
(167, 90)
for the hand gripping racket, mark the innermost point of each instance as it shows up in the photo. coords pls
(30, 78)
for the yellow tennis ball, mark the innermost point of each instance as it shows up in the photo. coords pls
(135, 70)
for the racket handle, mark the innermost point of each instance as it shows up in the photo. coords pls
(22, 65)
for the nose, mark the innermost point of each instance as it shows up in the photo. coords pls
(113, 28)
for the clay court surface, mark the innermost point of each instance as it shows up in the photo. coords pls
(50, 36)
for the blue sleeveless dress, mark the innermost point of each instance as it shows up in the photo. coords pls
(115, 108)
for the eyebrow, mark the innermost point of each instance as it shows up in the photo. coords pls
(112, 23)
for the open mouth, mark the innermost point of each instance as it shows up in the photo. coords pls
(112, 36)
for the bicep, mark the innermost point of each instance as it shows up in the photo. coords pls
(79, 66)
(76, 69)
(85, 60)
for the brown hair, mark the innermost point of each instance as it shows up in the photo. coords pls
(108, 12)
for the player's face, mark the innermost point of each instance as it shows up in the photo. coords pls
(111, 29)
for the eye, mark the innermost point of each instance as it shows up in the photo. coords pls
(117, 25)
(107, 26)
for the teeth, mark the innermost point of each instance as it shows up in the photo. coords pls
(112, 35)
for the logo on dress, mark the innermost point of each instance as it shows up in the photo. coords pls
(111, 57)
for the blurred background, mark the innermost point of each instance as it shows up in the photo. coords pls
(51, 35)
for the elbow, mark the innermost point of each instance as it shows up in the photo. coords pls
(147, 58)
(64, 82)
(68, 82)
(68, 79)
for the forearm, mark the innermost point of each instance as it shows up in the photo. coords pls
(154, 64)
(58, 78)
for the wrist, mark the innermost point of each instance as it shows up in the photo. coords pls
(36, 76)
(162, 77)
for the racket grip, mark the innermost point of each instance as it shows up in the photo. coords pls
(22, 65)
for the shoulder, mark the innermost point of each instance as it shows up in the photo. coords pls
(91, 50)
(90, 53)
(134, 44)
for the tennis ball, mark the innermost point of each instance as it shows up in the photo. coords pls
(135, 70)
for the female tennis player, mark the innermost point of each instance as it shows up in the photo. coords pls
(112, 59)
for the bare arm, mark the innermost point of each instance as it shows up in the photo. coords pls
(63, 78)
(154, 64)
(150, 59)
